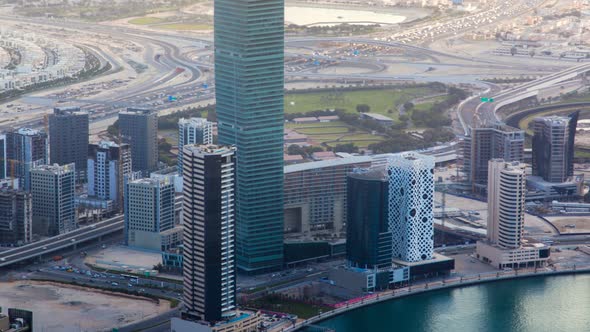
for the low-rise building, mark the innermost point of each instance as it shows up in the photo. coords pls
(315, 195)
(323, 155)
(527, 255)
(360, 281)
(380, 118)
(149, 212)
(310, 119)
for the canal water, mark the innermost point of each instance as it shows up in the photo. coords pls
(539, 304)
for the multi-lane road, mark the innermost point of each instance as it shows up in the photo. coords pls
(54, 244)
(192, 86)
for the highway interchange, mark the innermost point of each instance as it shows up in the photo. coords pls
(183, 69)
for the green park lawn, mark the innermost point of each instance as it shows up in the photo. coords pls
(380, 101)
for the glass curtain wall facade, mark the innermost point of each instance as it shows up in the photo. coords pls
(249, 76)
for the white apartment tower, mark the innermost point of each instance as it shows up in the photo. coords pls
(411, 197)
(108, 164)
(209, 265)
(506, 203)
(193, 131)
(149, 211)
(53, 189)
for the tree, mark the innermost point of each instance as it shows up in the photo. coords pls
(532, 53)
(348, 147)
(408, 106)
(113, 129)
(363, 108)
(295, 149)
(513, 51)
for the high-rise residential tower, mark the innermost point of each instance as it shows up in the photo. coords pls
(486, 143)
(149, 211)
(553, 147)
(249, 82)
(108, 164)
(368, 237)
(68, 138)
(209, 263)
(193, 131)
(25, 148)
(139, 129)
(506, 203)
(505, 246)
(15, 217)
(53, 188)
(411, 198)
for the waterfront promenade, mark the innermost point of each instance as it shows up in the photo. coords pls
(426, 286)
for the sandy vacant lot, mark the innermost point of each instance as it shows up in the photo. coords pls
(64, 308)
(582, 224)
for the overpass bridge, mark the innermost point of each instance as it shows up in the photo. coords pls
(486, 112)
(67, 240)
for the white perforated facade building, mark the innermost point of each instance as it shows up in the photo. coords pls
(411, 195)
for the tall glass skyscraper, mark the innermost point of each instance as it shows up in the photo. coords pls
(249, 75)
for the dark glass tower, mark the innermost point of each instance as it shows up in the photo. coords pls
(139, 129)
(368, 239)
(249, 75)
(68, 138)
(553, 147)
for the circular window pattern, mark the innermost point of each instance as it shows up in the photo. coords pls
(413, 212)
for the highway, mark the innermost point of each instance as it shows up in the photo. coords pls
(56, 243)
(473, 112)
(192, 86)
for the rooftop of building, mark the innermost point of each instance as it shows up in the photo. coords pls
(500, 126)
(196, 121)
(64, 110)
(322, 155)
(107, 144)
(294, 157)
(379, 117)
(554, 120)
(55, 168)
(158, 181)
(28, 131)
(327, 163)
(527, 244)
(436, 257)
(210, 149)
(409, 158)
(373, 173)
(510, 166)
(137, 111)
